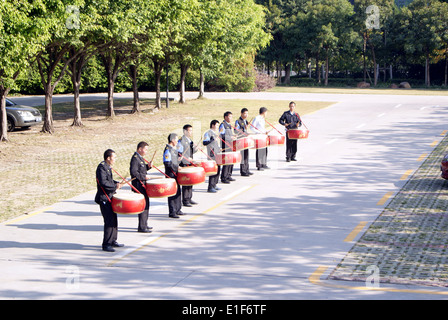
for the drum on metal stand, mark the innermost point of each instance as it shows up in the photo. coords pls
(243, 143)
(210, 166)
(128, 203)
(190, 176)
(260, 141)
(276, 140)
(161, 187)
(298, 133)
(228, 158)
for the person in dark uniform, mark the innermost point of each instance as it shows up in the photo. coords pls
(291, 120)
(188, 149)
(211, 142)
(171, 162)
(227, 137)
(138, 170)
(106, 187)
(241, 132)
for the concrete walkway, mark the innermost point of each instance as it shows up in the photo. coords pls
(275, 235)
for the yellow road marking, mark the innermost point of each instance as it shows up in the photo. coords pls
(314, 278)
(355, 231)
(406, 175)
(26, 216)
(385, 198)
(434, 143)
(444, 132)
(423, 156)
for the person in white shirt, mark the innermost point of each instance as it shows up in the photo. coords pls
(258, 127)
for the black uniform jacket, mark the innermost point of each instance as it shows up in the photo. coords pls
(293, 120)
(171, 161)
(105, 183)
(138, 169)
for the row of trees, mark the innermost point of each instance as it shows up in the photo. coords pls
(59, 37)
(356, 35)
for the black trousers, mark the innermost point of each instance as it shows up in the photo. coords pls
(187, 194)
(226, 172)
(175, 202)
(213, 180)
(244, 165)
(291, 148)
(143, 217)
(110, 223)
(261, 156)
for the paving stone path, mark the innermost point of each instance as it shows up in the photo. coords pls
(408, 242)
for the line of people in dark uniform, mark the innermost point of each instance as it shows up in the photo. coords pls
(179, 153)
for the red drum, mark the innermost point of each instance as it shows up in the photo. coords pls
(161, 187)
(243, 143)
(228, 158)
(210, 166)
(276, 140)
(444, 167)
(190, 176)
(128, 203)
(298, 133)
(260, 141)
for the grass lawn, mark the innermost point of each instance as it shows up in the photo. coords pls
(38, 169)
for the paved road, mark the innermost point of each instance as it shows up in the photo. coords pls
(275, 235)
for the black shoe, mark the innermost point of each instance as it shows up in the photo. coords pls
(186, 205)
(266, 167)
(250, 173)
(147, 230)
(180, 213)
(245, 175)
(108, 249)
(231, 179)
(293, 159)
(211, 190)
(225, 181)
(174, 216)
(217, 188)
(260, 169)
(193, 202)
(117, 245)
(288, 160)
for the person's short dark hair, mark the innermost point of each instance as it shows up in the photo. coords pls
(108, 153)
(187, 126)
(244, 110)
(227, 113)
(263, 110)
(142, 144)
(213, 122)
(292, 102)
(171, 137)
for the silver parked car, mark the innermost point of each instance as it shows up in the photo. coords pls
(21, 116)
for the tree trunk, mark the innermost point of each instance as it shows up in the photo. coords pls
(158, 74)
(287, 79)
(446, 69)
(201, 84)
(183, 74)
(48, 126)
(133, 73)
(110, 98)
(3, 117)
(77, 122)
(279, 72)
(317, 68)
(427, 71)
(326, 69)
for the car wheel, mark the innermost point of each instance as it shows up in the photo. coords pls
(11, 125)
